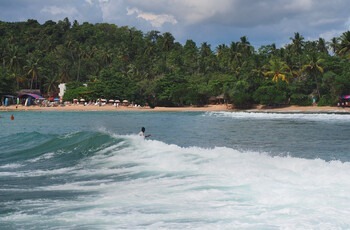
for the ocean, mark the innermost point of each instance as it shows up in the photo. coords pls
(198, 170)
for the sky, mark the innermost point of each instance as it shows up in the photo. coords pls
(216, 22)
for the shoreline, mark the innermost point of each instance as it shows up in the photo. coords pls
(208, 108)
(82, 108)
(293, 109)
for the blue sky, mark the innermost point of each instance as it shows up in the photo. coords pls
(213, 21)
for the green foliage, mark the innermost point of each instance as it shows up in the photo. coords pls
(111, 85)
(124, 63)
(300, 99)
(7, 83)
(342, 83)
(76, 91)
(198, 91)
(327, 100)
(171, 90)
(240, 94)
(270, 95)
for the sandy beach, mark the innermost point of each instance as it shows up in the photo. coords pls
(287, 109)
(113, 108)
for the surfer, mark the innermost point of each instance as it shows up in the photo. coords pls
(142, 133)
(12, 117)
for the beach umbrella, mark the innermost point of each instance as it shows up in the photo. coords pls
(111, 101)
(117, 101)
(125, 101)
(82, 99)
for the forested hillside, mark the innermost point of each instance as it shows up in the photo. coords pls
(126, 63)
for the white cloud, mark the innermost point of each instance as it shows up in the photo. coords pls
(216, 22)
(55, 10)
(328, 35)
(113, 11)
(197, 11)
(90, 2)
(299, 5)
(223, 21)
(347, 24)
(154, 19)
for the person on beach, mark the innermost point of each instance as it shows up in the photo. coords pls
(142, 133)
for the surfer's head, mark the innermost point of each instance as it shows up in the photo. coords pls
(143, 129)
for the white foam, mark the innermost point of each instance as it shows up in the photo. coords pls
(37, 173)
(223, 184)
(303, 116)
(167, 186)
(46, 156)
(68, 135)
(10, 166)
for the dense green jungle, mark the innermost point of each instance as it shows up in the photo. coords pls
(108, 61)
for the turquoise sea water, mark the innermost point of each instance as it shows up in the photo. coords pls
(214, 170)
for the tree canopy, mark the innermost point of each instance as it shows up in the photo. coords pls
(125, 63)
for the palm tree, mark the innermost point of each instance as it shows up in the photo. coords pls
(191, 57)
(244, 46)
(278, 70)
(258, 69)
(222, 53)
(79, 52)
(321, 46)
(14, 58)
(33, 69)
(168, 41)
(206, 58)
(221, 50)
(314, 69)
(334, 44)
(51, 85)
(344, 46)
(235, 54)
(13, 64)
(152, 36)
(64, 75)
(107, 56)
(235, 57)
(297, 45)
